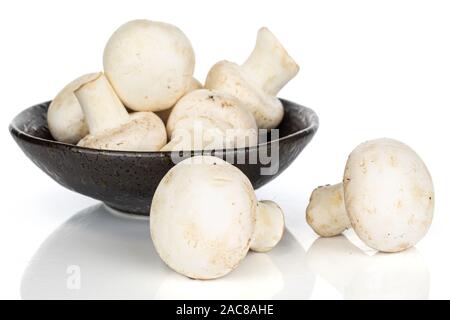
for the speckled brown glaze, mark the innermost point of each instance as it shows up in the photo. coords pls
(127, 180)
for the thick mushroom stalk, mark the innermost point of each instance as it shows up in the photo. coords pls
(270, 65)
(387, 196)
(258, 80)
(65, 117)
(326, 211)
(101, 106)
(110, 125)
(210, 120)
(269, 227)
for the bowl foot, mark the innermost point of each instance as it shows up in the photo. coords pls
(124, 214)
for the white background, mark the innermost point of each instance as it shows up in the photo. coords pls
(368, 68)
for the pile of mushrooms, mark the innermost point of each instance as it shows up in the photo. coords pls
(148, 66)
(147, 94)
(386, 196)
(204, 218)
(204, 214)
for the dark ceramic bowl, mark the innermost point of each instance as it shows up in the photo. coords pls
(126, 181)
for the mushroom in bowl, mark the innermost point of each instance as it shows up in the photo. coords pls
(117, 150)
(127, 180)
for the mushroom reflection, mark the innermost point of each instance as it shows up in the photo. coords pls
(97, 255)
(357, 275)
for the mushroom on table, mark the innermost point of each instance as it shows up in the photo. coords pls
(387, 197)
(205, 217)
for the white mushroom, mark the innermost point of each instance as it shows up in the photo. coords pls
(164, 114)
(387, 197)
(257, 82)
(110, 125)
(203, 218)
(65, 117)
(206, 119)
(149, 64)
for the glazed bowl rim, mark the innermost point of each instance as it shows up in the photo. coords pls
(311, 128)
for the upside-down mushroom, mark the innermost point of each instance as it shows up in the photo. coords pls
(257, 82)
(110, 125)
(65, 117)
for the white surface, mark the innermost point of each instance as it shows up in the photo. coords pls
(369, 69)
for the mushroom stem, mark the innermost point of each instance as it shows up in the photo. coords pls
(102, 108)
(326, 212)
(65, 117)
(269, 65)
(269, 227)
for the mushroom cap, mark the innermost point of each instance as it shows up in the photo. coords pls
(229, 78)
(202, 217)
(144, 131)
(269, 228)
(388, 194)
(149, 64)
(164, 114)
(220, 116)
(65, 117)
